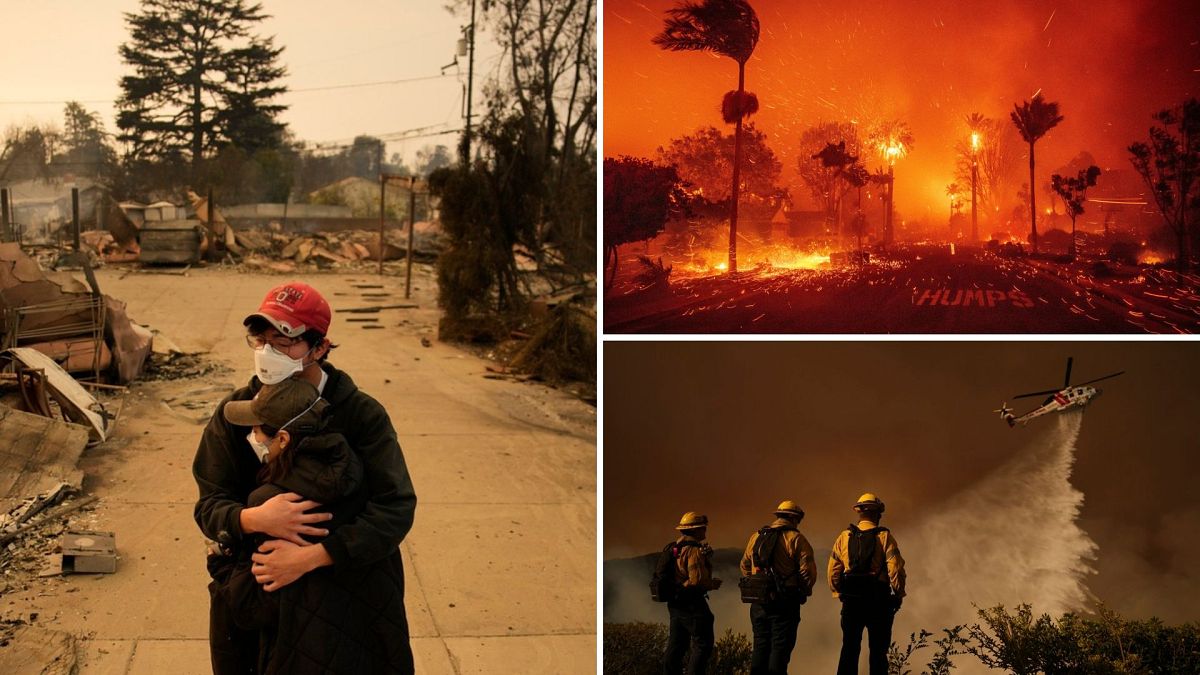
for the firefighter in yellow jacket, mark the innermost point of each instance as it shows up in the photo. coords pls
(784, 555)
(691, 627)
(866, 573)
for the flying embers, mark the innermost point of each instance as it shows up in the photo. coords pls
(1059, 400)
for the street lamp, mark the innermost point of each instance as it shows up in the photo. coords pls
(974, 181)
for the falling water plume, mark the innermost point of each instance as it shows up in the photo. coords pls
(1011, 538)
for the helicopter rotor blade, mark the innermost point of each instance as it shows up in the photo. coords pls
(1102, 378)
(1038, 393)
(1067, 379)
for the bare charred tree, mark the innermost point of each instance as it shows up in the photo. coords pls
(548, 86)
(729, 28)
(1170, 166)
(1073, 191)
(1033, 119)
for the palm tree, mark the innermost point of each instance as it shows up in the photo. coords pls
(893, 139)
(728, 28)
(1033, 119)
(954, 192)
(975, 122)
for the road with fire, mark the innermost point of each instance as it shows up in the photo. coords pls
(914, 289)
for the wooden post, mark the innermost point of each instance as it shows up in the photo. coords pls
(75, 215)
(382, 188)
(6, 232)
(412, 216)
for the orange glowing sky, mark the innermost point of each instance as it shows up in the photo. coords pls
(1110, 64)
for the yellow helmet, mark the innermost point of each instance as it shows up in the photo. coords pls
(869, 502)
(692, 520)
(788, 507)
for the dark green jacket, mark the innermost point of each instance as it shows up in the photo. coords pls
(226, 468)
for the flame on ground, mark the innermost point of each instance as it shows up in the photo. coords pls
(762, 260)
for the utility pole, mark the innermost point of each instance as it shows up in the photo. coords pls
(6, 234)
(382, 201)
(887, 223)
(412, 216)
(465, 159)
(974, 182)
(974, 216)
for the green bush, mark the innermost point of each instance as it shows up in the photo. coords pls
(1021, 643)
(634, 648)
(637, 649)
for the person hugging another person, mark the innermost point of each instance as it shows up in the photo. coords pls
(287, 433)
(304, 486)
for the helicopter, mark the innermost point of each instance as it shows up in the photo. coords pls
(1059, 400)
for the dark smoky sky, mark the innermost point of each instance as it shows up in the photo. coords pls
(1109, 63)
(732, 428)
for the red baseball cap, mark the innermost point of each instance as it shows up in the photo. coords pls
(294, 308)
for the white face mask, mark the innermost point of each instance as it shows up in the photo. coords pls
(271, 367)
(260, 449)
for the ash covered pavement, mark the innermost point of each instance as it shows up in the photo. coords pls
(504, 472)
(914, 289)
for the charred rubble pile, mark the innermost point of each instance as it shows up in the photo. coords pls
(68, 353)
(168, 234)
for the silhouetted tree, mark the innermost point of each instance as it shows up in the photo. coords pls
(729, 28)
(996, 162)
(822, 162)
(200, 79)
(955, 192)
(857, 176)
(26, 153)
(639, 196)
(252, 75)
(86, 150)
(1033, 119)
(704, 157)
(432, 158)
(1073, 191)
(1170, 166)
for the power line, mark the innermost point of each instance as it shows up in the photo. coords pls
(289, 91)
(74, 100)
(392, 136)
(371, 84)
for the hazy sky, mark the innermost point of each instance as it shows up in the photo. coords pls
(59, 50)
(1109, 63)
(731, 429)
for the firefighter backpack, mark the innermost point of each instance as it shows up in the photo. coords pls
(663, 585)
(763, 585)
(858, 581)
